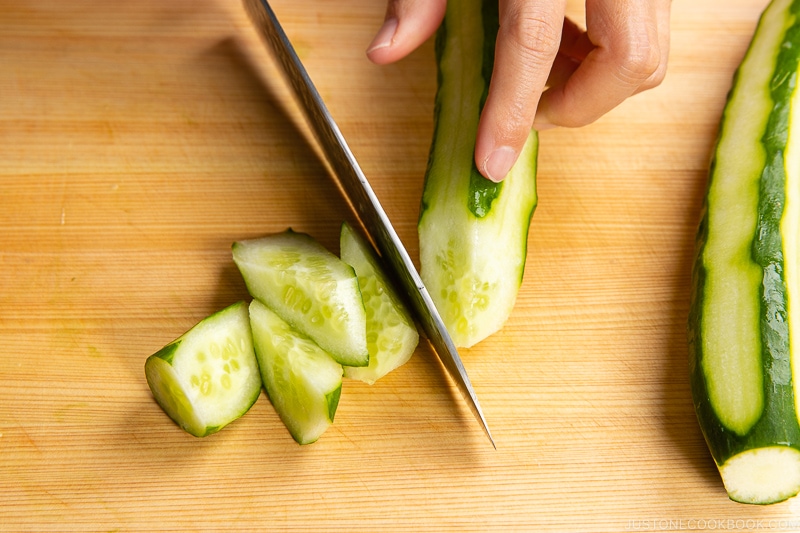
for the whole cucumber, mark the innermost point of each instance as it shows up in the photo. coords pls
(744, 330)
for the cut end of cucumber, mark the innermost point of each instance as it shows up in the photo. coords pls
(762, 475)
(309, 288)
(303, 382)
(389, 349)
(168, 392)
(474, 292)
(391, 334)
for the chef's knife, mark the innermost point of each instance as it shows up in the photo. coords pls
(360, 193)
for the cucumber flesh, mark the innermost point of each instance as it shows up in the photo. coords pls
(762, 475)
(302, 381)
(391, 334)
(310, 288)
(208, 377)
(472, 232)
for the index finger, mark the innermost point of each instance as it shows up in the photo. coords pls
(527, 44)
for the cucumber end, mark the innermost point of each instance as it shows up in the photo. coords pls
(303, 382)
(390, 332)
(762, 475)
(170, 396)
(209, 376)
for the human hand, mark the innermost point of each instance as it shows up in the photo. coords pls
(547, 72)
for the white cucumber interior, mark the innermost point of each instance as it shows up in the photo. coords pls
(472, 266)
(209, 376)
(302, 381)
(310, 288)
(762, 475)
(391, 334)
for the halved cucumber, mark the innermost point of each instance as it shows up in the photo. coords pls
(208, 377)
(302, 381)
(473, 233)
(744, 325)
(310, 288)
(391, 334)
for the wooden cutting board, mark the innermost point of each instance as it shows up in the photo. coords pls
(138, 140)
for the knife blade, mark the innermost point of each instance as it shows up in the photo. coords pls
(369, 210)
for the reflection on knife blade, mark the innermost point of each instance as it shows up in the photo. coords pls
(366, 204)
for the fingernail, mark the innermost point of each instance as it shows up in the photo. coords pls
(499, 162)
(384, 37)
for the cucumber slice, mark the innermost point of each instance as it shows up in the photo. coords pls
(208, 377)
(391, 334)
(302, 381)
(310, 288)
(744, 327)
(473, 233)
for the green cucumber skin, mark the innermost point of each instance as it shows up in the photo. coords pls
(481, 192)
(777, 423)
(463, 215)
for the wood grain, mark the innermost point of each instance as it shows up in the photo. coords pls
(140, 139)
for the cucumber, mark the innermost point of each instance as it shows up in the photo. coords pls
(301, 380)
(391, 334)
(744, 328)
(473, 233)
(310, 288)
(208, 377)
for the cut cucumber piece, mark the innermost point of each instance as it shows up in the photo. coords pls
(302, 381)
(391, 334)
(744, 323)
(208, 377)
(473, 233)
(310, 288)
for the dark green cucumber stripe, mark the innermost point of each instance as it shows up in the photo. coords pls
(440, 42)
(167, 353)
(332, 399)
(778, 421)
(482, 192)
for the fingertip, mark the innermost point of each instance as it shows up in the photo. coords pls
(382, 41)
(498, 163)
(406, 26)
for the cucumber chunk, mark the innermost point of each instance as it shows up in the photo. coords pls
(473, 233)
(391, 334)
(208, 377)
(302, 381)
(310, 288)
